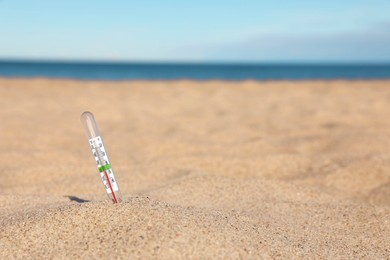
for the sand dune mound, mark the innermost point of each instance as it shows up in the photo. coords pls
(146, 227)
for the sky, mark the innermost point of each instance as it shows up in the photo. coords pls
(196, 31)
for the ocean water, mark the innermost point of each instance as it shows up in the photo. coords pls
(171, 71)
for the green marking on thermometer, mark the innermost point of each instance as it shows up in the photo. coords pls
(99, 152)
(104, 167)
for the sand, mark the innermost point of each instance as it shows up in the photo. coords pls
(252, 170)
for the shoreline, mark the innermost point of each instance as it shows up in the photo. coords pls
(189, 80)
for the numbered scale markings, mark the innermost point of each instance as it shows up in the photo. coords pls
(103, 163)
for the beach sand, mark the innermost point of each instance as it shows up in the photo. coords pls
(207, 170)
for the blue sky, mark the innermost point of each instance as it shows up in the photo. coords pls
(196, 31)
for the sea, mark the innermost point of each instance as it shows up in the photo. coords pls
(111, 71)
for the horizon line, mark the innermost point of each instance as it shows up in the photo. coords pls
(191, 62)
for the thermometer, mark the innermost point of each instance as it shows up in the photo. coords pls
(99, 152)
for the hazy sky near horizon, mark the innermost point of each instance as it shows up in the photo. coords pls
(196, 31)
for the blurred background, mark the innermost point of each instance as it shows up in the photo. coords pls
(195, 39)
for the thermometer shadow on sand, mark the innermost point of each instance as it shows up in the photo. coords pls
(100, 154)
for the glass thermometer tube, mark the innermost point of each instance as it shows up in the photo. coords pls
(101, 157)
